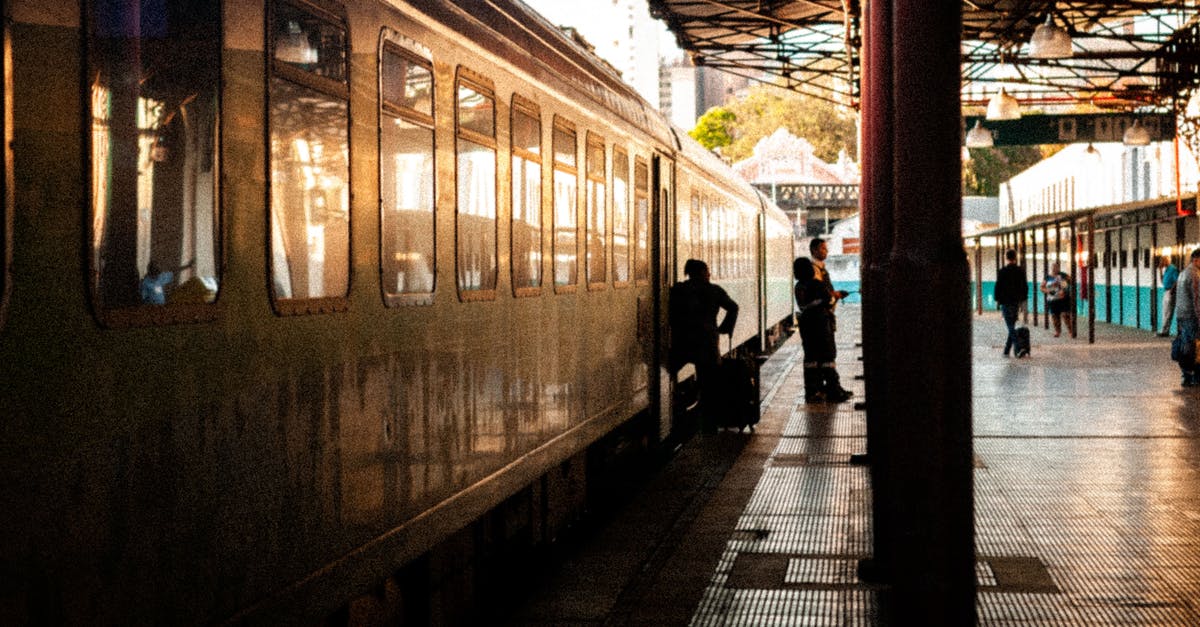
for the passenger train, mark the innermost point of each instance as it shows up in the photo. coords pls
(311, 309)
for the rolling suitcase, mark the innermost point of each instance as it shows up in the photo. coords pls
(1022, 347)
(738, 404)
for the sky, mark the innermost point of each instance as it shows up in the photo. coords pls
(568, 14)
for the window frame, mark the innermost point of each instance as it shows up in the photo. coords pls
(521, 105)
(644, 232)
(141, 315)
(483, 85)
(561, 123)
(592, 141)
(391, 41)
(335, 15)
(617, 149)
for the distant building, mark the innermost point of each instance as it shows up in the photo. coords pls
(1096, 175)
(815, 194)
(687, 91)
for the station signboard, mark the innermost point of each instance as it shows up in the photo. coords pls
(1073, 128)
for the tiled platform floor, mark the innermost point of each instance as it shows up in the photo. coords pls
(1087, 502)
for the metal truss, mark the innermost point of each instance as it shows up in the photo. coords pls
(1129, 54)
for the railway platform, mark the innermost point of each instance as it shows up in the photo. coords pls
(1087, 502)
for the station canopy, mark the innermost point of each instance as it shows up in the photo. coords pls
(1127, 55)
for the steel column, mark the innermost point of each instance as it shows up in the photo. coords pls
(929, 364)
(876, 223)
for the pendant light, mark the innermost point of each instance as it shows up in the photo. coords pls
(1049, 41)
(1003, 107)
(1136, 135)
(979, 137)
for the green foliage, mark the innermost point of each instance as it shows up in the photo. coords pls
(741, 123)
(713, 129)
(988, 167)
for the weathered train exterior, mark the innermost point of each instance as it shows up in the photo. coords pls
(306, 413)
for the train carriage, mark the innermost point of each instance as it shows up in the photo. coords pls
(304, 297)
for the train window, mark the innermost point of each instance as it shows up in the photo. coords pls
(620, 211)
(310, 161)
(476, 175)
(526, 198)
(566, 251)
(596, 227)
(154, 79)
(406, 181)
(641, 221)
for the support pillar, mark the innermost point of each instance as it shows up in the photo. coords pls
(928, 426)
(875, 211)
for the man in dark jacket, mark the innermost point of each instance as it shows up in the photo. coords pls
(1012, 289)
(694, 304)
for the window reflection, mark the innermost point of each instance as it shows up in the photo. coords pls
(476, 176)
(620, 211)
(310, 195)
(565, 220)
(154, 103)
(526, 198)
(641, 221)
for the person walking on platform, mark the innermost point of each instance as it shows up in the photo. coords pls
(1012, 289)
(694, 305)
(1187, 307)
(815, 300)
(1057, 288)
(1170, 275)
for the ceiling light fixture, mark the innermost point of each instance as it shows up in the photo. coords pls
(1003, 107)
(1049, 41)
(979, 137)
(1136, 135)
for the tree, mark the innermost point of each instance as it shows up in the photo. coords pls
(988, 167)
(765, 108)
(713, 128)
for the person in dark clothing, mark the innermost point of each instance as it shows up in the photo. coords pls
(1012, 290)
(815, 300)
(694, 305)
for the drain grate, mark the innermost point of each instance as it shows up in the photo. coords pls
(784, 571)
(1017, 574)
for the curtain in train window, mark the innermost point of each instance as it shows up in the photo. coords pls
(620, 211)
(406, 181)
(476, 237)
(310, 156)
(526, 197)
(597, 231)
(153, 81)
(565, 219)
(641, 221)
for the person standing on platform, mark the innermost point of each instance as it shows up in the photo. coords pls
(694, 305)
(1011, 292)
(815, 300)
(1187, 307)
(1057, 288)
(1170, 275)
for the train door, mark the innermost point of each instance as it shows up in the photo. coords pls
(760, 270)
(662, 264)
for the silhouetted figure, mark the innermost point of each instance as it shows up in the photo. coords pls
(1059, 304)
(1011, 292)
(694, 304)
(815, 300)
(1170, 275)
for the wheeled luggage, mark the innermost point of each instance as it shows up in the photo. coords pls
(1022, 347)
(737, 393)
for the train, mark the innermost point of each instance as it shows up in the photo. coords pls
(310, 309)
